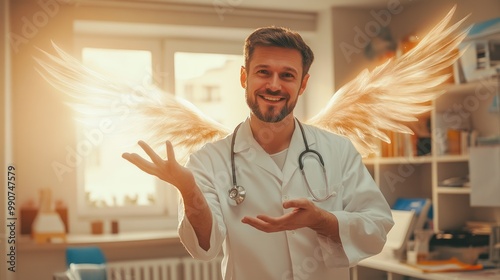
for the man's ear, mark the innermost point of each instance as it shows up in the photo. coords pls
(243, 77)
(303, 85)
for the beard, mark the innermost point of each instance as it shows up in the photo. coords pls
(272, 113)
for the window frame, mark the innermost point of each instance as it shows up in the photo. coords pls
(194, 45)
(162, 49)
(198, 45)
(165, 197)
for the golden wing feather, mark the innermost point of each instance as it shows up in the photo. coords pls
(394, 92)
(160, 115)
(374, 102)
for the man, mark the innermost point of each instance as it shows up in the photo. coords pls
(286, 224)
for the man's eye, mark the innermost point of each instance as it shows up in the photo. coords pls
(288, 75)
(263, 72)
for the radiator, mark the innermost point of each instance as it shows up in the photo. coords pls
(165, 269)
(201, 270)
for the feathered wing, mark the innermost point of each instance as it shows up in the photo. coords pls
(95, 96)
(394, 92)
(374, 102)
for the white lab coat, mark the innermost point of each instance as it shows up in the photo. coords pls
(363, 213)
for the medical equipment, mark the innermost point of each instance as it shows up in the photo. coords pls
(237, 193)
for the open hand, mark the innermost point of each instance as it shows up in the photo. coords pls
(168, 170)
(304, 214)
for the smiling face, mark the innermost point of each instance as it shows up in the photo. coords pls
(273, 82)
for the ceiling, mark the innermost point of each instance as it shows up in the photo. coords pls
(294, 5)
(304, 6)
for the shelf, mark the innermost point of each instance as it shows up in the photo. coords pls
(421, 176)
(452, 158)
(453, 190)
(472, 87)
(416, 160)
(398, 160)
(26, 243)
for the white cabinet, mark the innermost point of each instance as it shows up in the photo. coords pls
(471, 102)
(420, 176)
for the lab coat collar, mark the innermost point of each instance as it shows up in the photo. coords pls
(246, 143)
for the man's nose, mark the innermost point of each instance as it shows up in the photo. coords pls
(274, 83)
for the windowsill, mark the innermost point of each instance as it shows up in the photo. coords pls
(26, 243)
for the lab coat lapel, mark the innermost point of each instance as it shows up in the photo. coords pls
(250, 149)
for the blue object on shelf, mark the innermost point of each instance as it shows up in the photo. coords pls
(485, 26)
(84, 255)
(419, 205)
(416, 204)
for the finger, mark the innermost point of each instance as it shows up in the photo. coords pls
(170, 151)
(268, 219)
(149, 151)
(256, 223)
(296, 203)
(140, 162)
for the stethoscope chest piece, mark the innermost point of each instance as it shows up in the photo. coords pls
(237, 195)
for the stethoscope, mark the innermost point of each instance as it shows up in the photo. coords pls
(237, 193)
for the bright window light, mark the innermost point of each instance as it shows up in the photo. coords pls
(109, 180)
(110, 185)
(211, 82)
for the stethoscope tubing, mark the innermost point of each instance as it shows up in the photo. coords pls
(237, 193)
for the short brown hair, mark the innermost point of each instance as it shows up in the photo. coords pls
(278, 37)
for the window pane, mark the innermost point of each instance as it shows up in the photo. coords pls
(212, 83)
(109, 180)
(132, 65)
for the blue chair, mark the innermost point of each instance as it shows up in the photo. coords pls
(84, 255)
(85, 263)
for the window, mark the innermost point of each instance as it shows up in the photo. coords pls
(109, 182)
(209, 78)
(109, 185)
(207, 74)
(213, 86)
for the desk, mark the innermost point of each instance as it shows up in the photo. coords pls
(386, 262)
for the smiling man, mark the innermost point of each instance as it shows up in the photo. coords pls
(257, 194)
(276, 79)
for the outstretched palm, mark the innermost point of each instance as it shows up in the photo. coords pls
(168, 170)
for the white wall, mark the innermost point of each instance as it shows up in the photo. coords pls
(320, 85)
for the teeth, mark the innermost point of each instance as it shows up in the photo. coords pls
(272, 98)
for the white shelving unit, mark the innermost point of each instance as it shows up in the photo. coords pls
(420, 176)
(452, 204)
